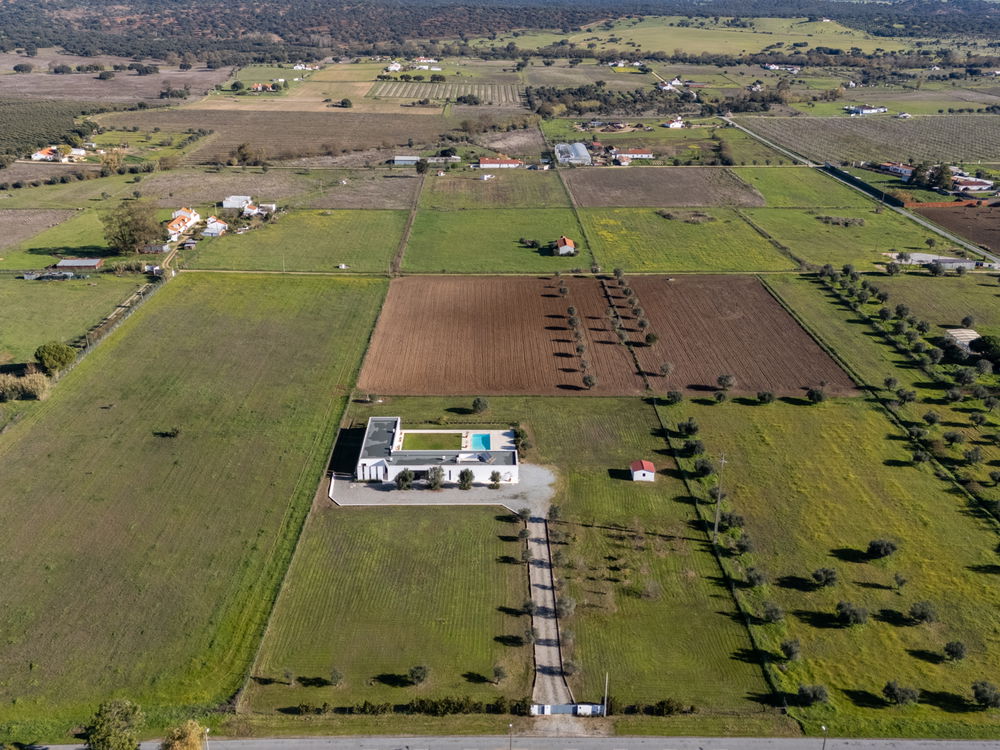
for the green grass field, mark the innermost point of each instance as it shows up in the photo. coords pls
(144, 565)
(817, 242)
(81, 236)
(35, 312)
(944, 301)
(481, 240)
(618, 539)
(800, 187)
(78, 194)
(704, 35)
(888, 182)
(637, 239)
(509, 188)
(795, 472)
(413, 586)
(307, 241)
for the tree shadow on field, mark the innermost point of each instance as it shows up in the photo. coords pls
(777, 699)
(568, 387)
(892, 617)
(849, 554)
(620, 474)
(754, 656)
(79, 251)
(796, 583)
(394, 680)
(950, 702)
(931, 657)
(865, 699)
(511, 641)
(475, 678)
(464, 410)
(512, 611)
(314, 681)
(985, 569)
(821, 620)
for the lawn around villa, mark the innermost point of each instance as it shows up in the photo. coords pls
(696, 240)
(816, 484)
(218, 445)
(615, 540)
(414, 586)
(36, 312)
(432, 441)
(319, 240)
(488, 241)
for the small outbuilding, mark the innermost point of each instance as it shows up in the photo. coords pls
(642, 471)
(79, 264)
(962, 337)
(565, 246)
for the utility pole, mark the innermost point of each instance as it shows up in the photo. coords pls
(718, 502)
(604, 704)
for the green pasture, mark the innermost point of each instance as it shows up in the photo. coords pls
(703, 35)
(800, 187)
(618, 539)
(141, 146)
(509, 188)
(36, 312)
(638, 239)
(76, 194)
(944, 301)
(483, 240)
(414, 586)
(81, 236)
(152, 503)
(889, 183)
(365, 240)
(817, 242)
(815, 485)
(873, 358)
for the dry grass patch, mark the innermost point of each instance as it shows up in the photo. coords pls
(660, 186)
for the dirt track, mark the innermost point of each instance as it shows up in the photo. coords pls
(502, 335)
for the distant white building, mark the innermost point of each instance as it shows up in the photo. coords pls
(491, 162)
(393, 67)
(387, 450)
(575, 153)
(677, 122)
(238, 202)
(565, 246)
(863, 109)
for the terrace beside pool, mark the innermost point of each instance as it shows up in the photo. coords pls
(454, 440)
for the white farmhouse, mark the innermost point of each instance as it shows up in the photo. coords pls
(388, 449)
(215, 227)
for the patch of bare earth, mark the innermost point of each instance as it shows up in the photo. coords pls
(660, 186)
(27, 171)
(525, 142)
(19, 224)
(979, 224)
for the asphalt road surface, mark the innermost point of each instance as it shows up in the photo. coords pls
(588, 743)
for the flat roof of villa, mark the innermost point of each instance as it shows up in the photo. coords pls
(379, 436)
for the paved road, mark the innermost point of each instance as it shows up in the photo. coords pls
(550, 684)
(582, 743)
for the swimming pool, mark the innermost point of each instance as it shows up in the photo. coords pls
(480, 441)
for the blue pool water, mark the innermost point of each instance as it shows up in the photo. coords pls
(480, 441)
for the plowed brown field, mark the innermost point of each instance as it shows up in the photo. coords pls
(498, 335)
(714, 325)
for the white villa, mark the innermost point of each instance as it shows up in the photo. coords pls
(388, 449)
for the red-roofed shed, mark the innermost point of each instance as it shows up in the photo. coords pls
(642, 471)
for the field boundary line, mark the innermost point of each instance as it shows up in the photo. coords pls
(770, 144)
(396, 264)
(579, 219)
(783, 249)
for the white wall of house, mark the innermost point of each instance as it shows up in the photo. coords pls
(643, 476)
(378, 470)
